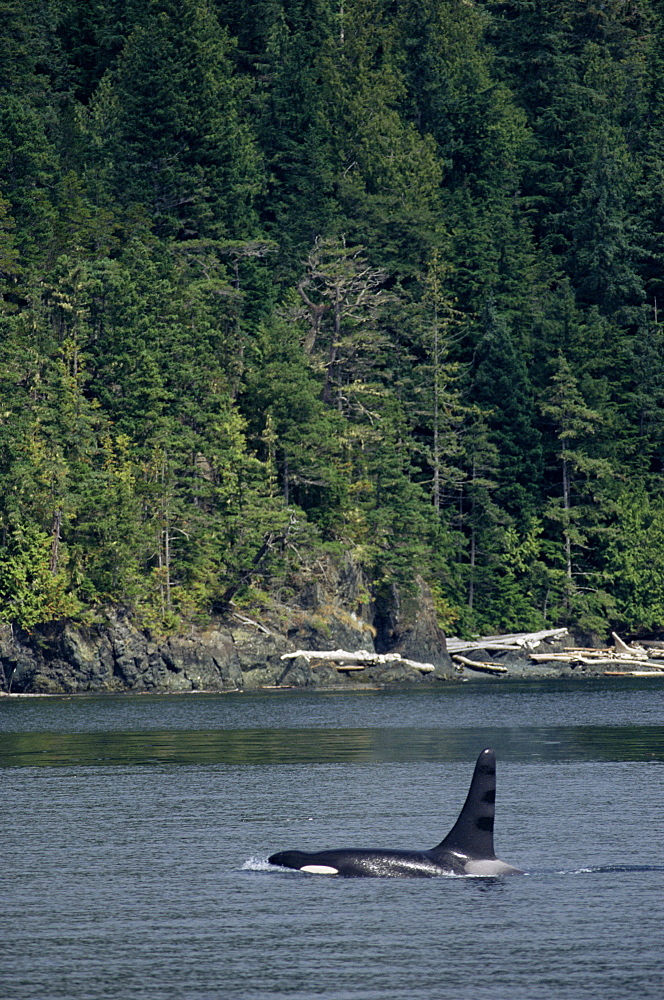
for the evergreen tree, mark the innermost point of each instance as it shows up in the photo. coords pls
(170, 128)
(483, 518)
(30, 591)
(631, 567)
(343, 296)
(387, 176)
(577, 504)
(28, 168)
(290, 425)
(293, 273)
(501, 386)
(579, 71)
(432, 382)
(642, 404)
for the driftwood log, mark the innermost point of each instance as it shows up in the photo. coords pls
(512, 641)
(343, 659)
(506, 643)
(622, 654)
(588, 659)
(482, 666)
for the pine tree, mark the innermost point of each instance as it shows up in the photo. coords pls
(31, 593)
(170, 127)
(501, 386)
(576, 505)
(300, 437)
(343, 296)
(284, 44)
(431, 380)
(642, 441)
(387, 176)
(631, 559)
(579, 69)
(483, 518)
(28, 169)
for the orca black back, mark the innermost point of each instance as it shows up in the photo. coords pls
(466, 850)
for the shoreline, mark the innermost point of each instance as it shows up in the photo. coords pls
(523, 677)
(309, 651)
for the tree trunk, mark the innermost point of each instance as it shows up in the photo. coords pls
(436, 430)
(55, 541)
(566, 508)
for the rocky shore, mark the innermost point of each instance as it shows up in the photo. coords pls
(237, 653)
(248, 650)
(240, 650)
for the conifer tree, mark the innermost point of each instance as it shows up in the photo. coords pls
(386, 174)
(171, 130)
(283, 403)
(576, 505)
(501, 386)
(343, 296)
(630, 559)
(435, 381)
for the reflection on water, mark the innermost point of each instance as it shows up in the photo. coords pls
(317, 745)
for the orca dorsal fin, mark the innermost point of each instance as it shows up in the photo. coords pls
(472, 834)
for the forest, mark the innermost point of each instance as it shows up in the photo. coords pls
(291, 279)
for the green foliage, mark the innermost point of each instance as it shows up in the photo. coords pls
(379, 277)
(632, 572)
(169, 129)
(501, 386)
(28, 166)
(30, 592)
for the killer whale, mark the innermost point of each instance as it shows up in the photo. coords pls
(466, 850)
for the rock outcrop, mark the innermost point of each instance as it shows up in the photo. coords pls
(405, 623)
(235, 651)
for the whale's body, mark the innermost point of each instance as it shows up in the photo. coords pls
(466, 850)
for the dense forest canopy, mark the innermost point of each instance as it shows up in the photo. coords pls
(377, 277)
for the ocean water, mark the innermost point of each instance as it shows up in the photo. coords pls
(135, 833)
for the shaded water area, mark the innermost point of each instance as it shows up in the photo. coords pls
(136, 831)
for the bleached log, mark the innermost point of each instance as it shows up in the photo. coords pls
(424, 668)
(250, 621)
(602, 661)
(622, 647)
(620, 652)
(584, 649)
(559, 657)
(595, 658)
(362, 658)
(586, 654)
(492, 647)
(337, 655)
(509, 641)
(482, 666)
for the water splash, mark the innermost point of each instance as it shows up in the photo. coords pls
(256, 864)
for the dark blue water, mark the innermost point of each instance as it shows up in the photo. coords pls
(135, 832)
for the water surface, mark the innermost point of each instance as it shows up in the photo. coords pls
(136, 832)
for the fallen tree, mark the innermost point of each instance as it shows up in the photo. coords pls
(343, 659)
(481, 665)
(503, 643)
(633, 656)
